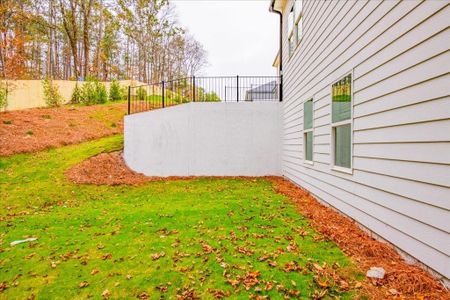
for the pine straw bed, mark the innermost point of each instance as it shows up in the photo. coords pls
(32, 130)
(402, 281)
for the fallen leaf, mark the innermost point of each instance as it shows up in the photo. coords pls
(106, 294)
(207, 248)
(156, 256)
(95, 271)
(106, 256)
(83, 284)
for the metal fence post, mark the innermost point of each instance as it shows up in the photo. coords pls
(129, 99)
(237, 87)
(280, 92)
(193, 88)
(163, 93)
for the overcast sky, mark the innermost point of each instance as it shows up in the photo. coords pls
(240, 36)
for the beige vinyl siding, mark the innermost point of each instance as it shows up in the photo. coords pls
(399, 54)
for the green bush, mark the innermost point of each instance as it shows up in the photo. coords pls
(141, 94)
(93, 92)
(115, 92)
(51, 93)
(102, 94)
(76, 95)
(3, 95)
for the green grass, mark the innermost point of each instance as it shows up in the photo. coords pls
(78, 225)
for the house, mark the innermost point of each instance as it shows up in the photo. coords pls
(266, 91)
(364, 121)
(365, 117)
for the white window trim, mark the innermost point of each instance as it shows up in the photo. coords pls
(340, 123)
(305, 131)
(297, 17)
(291, 50)
(296, 29)
(291, 32)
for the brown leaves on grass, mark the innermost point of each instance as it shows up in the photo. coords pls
(186, 294)
(248, 281)
(156, 256)
(36, 129)
(409, 281)
(106, 294)
(3, 286)
(245, 251)
(207, 249)
(327, 279)
(292, 266)
(218, 294)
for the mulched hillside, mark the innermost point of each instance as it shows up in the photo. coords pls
(33, 130)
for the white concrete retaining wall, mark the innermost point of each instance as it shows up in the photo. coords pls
(210, 139)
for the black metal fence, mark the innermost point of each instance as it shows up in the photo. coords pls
(204, 89)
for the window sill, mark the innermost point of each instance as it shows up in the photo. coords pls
(308, 162)
(342, 170)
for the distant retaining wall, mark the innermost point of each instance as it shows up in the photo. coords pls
(30, 93)
(205, 139)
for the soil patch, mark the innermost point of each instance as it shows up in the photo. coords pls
(106, 169)
(110, 169)
(401, 281)
(36, 129)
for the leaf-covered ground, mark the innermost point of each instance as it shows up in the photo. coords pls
(205, 238)
(36, 129)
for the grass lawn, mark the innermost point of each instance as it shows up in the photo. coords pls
(208, 237)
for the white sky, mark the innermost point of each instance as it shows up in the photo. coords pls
(240, 36)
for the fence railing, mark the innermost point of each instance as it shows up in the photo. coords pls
(204, 89)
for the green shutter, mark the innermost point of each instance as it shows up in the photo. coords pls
(308, 114)
(342, 99)
(342, 140)
(309, 146)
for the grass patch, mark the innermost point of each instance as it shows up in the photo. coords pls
(160, 239)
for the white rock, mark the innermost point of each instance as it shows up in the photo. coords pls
(376, 272)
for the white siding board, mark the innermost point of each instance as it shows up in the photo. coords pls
(398, 40)
(422, 112)
(433, 47)
(436, 131)
(407, 243)
(427, 90)
(437, 153)
(424, 213)
(434, 67)
(398, 51)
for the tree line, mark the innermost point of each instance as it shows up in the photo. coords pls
(103, 39)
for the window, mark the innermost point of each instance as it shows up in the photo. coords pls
(341, 118)
(291, 37)
(308, 130)
(298, 9)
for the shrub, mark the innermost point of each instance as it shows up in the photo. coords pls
(3, 95)
(124, 92)
(93, 92)
(76, 95)
(101, 93)
(51, 93)
(141, 94)
(212, 97)
(115, 92)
